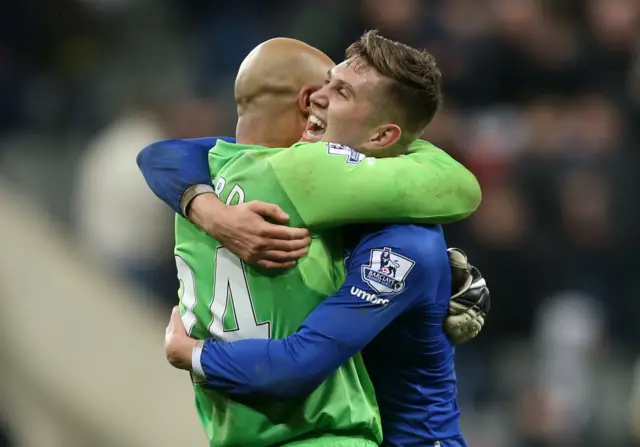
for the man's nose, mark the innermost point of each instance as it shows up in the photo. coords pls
(319, 98)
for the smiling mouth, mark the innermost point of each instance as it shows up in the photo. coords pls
(315, 129)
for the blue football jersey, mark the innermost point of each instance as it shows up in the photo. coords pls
(411, 361)
(392, 304)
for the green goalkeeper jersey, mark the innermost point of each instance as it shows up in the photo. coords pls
(320, 185)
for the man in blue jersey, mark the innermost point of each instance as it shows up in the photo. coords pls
(395, 321)
(409, 358)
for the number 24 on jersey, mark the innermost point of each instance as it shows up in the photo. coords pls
(230, 294)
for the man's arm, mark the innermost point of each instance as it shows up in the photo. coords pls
(331, 185)
(177, 171)
(336, 330)
(170, 167)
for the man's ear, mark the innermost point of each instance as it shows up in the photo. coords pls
(304, 99)
(384, 137)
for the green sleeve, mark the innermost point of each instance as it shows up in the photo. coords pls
(331, 185)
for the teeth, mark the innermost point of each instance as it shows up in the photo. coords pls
(317, 121)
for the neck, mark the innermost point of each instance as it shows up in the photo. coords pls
(387, 152)
(261, 127)
(260, 121)
(254, 129)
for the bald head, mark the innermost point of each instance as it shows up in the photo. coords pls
(279, 67)
(272, 91)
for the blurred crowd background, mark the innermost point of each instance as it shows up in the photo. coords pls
(542, 104)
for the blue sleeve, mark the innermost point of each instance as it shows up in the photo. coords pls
(169, 167)
(337, 329)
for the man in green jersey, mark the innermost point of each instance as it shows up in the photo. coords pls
(344, 406)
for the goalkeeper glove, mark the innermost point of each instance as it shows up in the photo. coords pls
(470, 301)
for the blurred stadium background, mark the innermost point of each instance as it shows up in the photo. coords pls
(543, 104)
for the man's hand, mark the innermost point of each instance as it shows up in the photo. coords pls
(470, 301)
(244, 230)
(178, 347)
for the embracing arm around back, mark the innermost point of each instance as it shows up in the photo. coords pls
(329, 184)
(332, 185)
(337, 329)
(425, 186)
(177, 171)
(170, 167)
